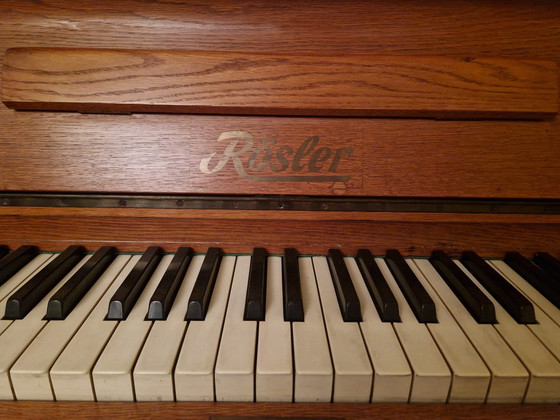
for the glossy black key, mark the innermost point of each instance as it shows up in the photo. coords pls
(255, 301)
(204, 286)
(348, 301)
(536, 277)
(4, 250)
(417, 297)
(67, 297)
(166, 291)
(512, 301)
(380, 292)
(15, 261)
(28, 295)
(549, 264)
(291, 287)
(128, 292)
(477, 303)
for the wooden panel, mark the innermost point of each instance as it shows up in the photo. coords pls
(163, 153)
(234, 83)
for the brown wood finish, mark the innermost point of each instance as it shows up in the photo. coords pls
(233, 83)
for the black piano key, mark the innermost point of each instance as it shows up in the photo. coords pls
(67, 297)
(291, 287)
(549, 264)
(508, 296)
(15, 261)
(4, 250)
(538, 278)
(417, 297)
(348, 301)
(166, 291)
(128, 292)
(476, 302)
(27, 296)
(255, 301)
(380, 292)
(204, 286)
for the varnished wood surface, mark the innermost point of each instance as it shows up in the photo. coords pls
(256, 411)
(102, 80)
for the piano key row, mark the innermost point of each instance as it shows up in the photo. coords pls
(453, 360)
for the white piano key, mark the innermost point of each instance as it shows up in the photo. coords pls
(17, 280)
(431, 376)
(312, 358)
(544, 384)
(392, 378)
(471, 377)
(353, 372)
(546, 330)
(153, 373)
(194, 372)
(274, 373)
(509, 376)
(235, 366)
(30, 373)
(21, 332)
(71, 373)
(112, 374)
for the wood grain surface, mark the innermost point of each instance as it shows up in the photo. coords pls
(99, 80)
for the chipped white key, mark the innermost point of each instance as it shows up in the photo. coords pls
(274, 374)
(194, 372)
(353, 372)
(312, 357)
(509, 376)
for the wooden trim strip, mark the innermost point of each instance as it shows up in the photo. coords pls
(124, 81)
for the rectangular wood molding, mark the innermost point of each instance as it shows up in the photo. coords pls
(124, 81)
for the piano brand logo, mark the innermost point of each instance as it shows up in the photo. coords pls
(270, 162)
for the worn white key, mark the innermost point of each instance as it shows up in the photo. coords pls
(392, 378)
(544, 384)
(235, 366)
(194, 372)
(353, 372)
(274, 374)
(312, 357)
(153, 373)
(21, 332)
(71, 373)
(18, 280)
(30, 374)
(509, 376)
(471, 377)
(112, 374)
(431, 376)
(546, 329)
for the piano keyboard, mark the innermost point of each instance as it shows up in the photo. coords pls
(213, 327)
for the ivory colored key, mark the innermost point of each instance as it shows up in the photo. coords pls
(112, 374)
(546, 329)
(312, 358)
(544, 383)
(30, 374)
(194, 372)
(235, 366)
(21, 333)
(471, 378)
(153, 373)
(392, 378)
(509, 376)
(431, 376)
(71, 373)
(274, 375)
(17, 280)
(353, 371)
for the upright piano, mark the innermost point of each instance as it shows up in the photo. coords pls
(312, 209)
